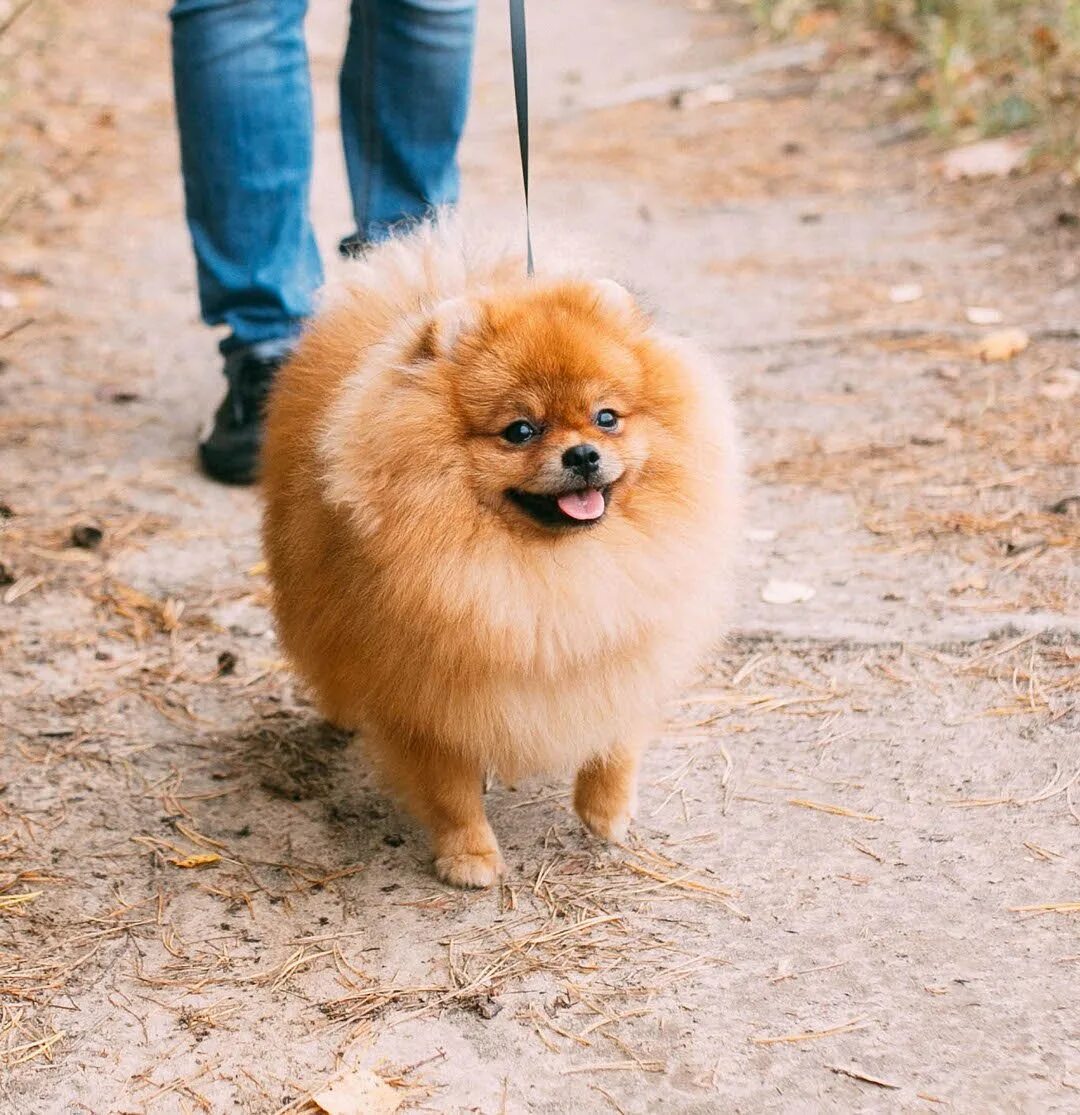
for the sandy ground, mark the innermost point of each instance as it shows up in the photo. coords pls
(853, 884)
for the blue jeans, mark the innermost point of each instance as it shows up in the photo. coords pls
(243, 105)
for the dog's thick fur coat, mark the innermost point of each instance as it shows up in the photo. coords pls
(414, 593)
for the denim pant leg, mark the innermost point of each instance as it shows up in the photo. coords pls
(404, 96)
(243, 104)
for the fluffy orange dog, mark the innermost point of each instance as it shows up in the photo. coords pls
(499, 519)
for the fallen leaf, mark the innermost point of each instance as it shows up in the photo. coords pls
(984, 315)
(1063, 384)
(787, 592)
(357, 1092)
(990, 158)
(1045, 42)
(905, 292)
(1002, 345)
(204, 859)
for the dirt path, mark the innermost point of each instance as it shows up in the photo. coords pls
(840, 892)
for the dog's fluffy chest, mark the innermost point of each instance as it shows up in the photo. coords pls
(530, 671)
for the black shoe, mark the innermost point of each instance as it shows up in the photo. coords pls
(352, 246)
(230, 451)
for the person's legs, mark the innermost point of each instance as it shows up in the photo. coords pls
(243, 105)
(404, 96)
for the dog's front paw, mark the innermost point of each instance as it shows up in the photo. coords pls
(470, 869)
(605, 794)
(468, 856)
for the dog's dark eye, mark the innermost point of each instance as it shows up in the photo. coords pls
(519, 432)
(607, 419)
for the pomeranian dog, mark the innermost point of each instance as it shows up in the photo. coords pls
(499, 520)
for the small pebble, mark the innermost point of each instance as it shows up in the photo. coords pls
(903, 293)
(488, 1007)
(984, 315)
(86, 536)
(787, 592)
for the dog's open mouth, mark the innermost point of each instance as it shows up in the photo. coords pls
(583, 507)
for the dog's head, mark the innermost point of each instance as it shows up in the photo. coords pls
(550, 409)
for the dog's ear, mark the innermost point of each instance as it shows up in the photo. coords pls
(615, 299)
(449, 322)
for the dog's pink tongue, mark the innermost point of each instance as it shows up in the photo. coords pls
(588, 504)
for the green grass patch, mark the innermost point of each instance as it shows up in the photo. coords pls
(978, 66)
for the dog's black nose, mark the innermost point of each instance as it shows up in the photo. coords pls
(583, 459)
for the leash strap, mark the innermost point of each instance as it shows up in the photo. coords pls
(519, 54)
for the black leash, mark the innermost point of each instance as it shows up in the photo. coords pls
(519, 55)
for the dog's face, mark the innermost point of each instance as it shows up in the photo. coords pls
(549, 395)
(546, 410)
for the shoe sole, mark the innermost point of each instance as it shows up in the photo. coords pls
(225, 470)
